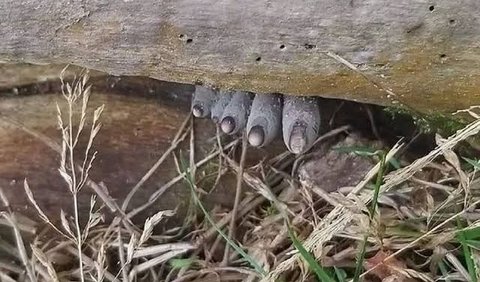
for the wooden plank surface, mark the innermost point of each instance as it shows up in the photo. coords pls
(423, 53)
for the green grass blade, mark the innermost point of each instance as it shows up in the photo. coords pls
(443, 269)
(466, 252)
(341, 274)
(366, 152)
(378, 183)
(472, 233)
(474, 163)
(177, 263)
(245, 256)
(360, 258)
(312, 263)
(474, 244)
(395, 163)
(358, 150)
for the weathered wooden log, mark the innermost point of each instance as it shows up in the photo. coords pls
(425, 54)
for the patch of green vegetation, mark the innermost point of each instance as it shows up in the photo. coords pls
(443, 124)
(429, 123)
(473, 163)
(270, 210)
(178, 263)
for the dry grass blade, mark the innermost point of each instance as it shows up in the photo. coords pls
(258, 185)
(469, 111)
(201, 272)
(66, 224)
(12, 222)
(158, 249)
(40, 212)
(42, 258)
(91, 263)
(29, 193)
(4, 199)
(131, 248)
(4, 277)
(121, 255)
(265, 191)
(427, 234)
(191, 185)
(8, 249)
(150, 224)
(21, 246)
(153, 262)
(321, 193)
(457, 265)
(22, 226)
(100, 266)
(238, 195)
(94, 218)
(248, 204)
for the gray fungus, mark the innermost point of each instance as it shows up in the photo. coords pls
(235, 114)
(265, 120)
(203, 100)
(263, 116)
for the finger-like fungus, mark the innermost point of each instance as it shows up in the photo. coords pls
(264, 122)
(300, 122)
(235, 115)
(203, 100)
(224, 98)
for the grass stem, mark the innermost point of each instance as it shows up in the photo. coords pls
(372, 209)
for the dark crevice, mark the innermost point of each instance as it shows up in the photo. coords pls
(309, 46)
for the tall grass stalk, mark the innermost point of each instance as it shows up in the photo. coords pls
(76, 92)
(372, 210)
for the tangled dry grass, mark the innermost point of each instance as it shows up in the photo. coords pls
(404, 221)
